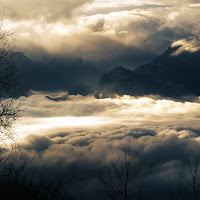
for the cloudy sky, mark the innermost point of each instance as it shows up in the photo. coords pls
(73, 131)
(128, 32)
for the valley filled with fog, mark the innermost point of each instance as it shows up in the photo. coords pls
(76, 132)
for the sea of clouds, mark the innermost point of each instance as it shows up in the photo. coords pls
(72, 135)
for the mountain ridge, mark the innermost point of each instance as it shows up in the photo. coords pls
(168, 75)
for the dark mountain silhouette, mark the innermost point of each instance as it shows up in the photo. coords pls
(168, 75)
(73, 75)
(124, 81)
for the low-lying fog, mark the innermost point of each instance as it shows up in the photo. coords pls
(73, 132)
(48, 114)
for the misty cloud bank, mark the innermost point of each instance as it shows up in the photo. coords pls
(72, 134)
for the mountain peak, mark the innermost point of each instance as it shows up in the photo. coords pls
(120, 69)
(171, 50)
(170, 74)
(20, 58)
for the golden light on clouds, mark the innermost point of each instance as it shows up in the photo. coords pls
(98, 115)
(186, 46)
(73, 25)
(45, 125)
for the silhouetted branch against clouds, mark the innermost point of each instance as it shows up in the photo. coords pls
(122, 178)
(10, 108)
(188, 187)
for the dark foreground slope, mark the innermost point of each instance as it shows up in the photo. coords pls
(168, 75)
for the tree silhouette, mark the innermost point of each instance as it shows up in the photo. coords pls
(9, 84)
(121, 179)
(189, 183)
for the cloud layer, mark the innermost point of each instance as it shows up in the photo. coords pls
(47, 11)
(125, 110)
(121, 32)
(73, 135)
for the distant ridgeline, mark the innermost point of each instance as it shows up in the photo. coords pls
(170, 74)
(176, 73)
(57, 74)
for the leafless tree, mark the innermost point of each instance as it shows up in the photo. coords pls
(189, 186)
(9, 84)
(121, 179)
(16, 182)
